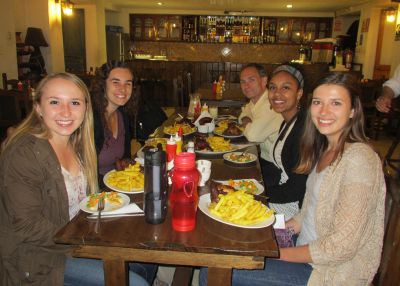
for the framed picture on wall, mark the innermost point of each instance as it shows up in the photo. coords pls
(397, 36)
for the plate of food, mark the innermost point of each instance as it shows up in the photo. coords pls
(240, 158)
(173, 129)
(151, 144)
(228, 129)
(212, 145)
(112, 202)
(237, 209)
(250, 186)
(128, 181)
(226, 117)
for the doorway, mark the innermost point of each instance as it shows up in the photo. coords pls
(73, 28)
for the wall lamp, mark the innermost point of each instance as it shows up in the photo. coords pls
(67, 6)
(390, 14)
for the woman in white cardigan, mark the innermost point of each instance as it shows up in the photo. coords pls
(340, 225)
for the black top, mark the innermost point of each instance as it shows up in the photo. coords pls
(150, 116)
(294, 188)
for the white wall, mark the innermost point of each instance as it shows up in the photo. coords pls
(8, 54)
(390, 54)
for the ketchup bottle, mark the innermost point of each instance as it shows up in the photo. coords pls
(184, 197)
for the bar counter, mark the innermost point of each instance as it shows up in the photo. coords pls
(169, 83)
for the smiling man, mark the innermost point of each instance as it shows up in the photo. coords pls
(260, 122)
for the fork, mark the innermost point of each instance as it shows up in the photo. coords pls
(100, 207)
(244, 152)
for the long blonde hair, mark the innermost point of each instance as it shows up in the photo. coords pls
(82, 139)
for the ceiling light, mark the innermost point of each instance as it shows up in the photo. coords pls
(390, 14)
(289, 6)
(160, 3)
(67, 6)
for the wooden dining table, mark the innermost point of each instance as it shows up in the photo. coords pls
(218, 246)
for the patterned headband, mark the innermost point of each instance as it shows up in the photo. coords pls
(292, 71)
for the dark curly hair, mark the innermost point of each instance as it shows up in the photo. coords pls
(98, 91)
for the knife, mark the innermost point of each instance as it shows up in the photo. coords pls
(94, 216)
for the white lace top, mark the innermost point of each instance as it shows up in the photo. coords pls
(76, 189)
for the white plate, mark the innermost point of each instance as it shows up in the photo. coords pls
(224, 117)
(207, 152)
(228, 136)
(260, 188)
(253, 158)
(107, 207)
(133, 190)
(204, 202)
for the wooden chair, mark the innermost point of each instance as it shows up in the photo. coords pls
(9, 82)
(390, 160)
(10, 112)
(25, 103)
(388, 272)
(369, 93)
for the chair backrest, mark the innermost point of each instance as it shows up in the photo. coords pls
(6, 82)
(388, 272)
(10, 112)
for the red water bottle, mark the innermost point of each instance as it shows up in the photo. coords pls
(184, 197)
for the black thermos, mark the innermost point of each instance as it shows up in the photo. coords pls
(155, 186)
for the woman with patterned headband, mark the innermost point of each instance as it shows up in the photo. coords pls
(285, 188)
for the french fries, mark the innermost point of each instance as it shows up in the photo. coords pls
(219, 144)
(129, 180)
(240, 208)
(172, 129)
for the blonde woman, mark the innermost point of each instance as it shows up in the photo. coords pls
(47, 166)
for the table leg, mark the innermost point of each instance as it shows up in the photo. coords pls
(219, 276)
(182, 276)
(115, 272)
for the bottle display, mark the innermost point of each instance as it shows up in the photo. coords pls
(155, 186)
(184, 197)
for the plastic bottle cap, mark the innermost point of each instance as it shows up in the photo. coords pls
(185, 160)
(171, 141)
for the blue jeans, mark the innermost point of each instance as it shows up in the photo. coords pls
(146, 270)
(89, 272)
(275, 273)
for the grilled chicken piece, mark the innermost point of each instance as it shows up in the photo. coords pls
(217, 189)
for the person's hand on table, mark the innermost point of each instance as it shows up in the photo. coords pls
(384, 102)
(245, 120)
(293, 224)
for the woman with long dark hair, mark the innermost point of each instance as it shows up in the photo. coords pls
(340, 226)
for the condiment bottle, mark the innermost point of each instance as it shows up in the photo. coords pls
(190, 147)
(155, 186)
(214, 87)
(178, 140)
(197, 111)
(184, 197)
(20, 86)
(171, 152)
